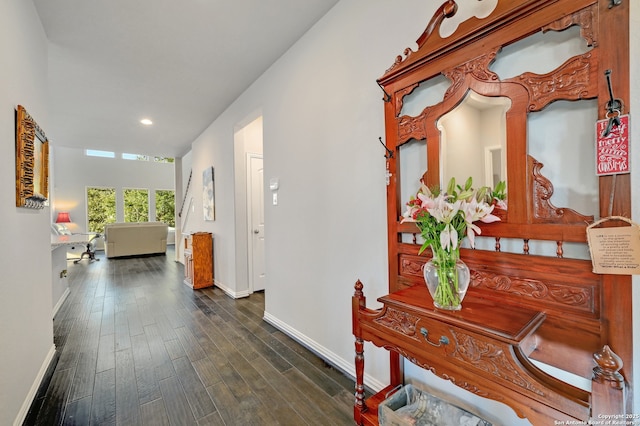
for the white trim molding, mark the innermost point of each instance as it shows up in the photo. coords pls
(24, 410)
(61, 301)
(229, 292)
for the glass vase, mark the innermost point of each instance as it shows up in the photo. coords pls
(447, 278)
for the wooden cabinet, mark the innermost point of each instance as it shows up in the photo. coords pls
(524, 305)
(198, 260)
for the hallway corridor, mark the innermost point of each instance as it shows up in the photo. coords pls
(138, 347)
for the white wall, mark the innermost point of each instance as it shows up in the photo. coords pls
(74, 172)
(26, 330)
(322, 113)
(214, 148)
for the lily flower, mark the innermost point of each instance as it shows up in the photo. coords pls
(479, 211)
(501, 204)
(447, 217)
(426, 201)
(444, 211)
(449, 237)
(474, 211)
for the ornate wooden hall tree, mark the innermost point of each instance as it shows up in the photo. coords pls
(520, 306)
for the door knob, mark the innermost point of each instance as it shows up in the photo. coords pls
(255, 231)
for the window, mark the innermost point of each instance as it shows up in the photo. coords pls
(136, 205)
(126, 156)
(97, 153)
(101, 208)
(165, 207)
(163, 159)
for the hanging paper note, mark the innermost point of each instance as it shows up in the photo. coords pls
(615, 250)
(612, 147)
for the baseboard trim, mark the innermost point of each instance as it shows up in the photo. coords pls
(61, 301)
(346, 367)
(24, 410)
(229, 292)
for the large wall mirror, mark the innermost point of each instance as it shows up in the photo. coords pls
(492, 119)
(473, 141)
(32, 162)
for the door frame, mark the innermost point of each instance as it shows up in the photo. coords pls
(250, 246)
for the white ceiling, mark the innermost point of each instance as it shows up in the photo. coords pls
(179, 63)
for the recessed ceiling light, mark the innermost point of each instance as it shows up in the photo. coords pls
(146, 122)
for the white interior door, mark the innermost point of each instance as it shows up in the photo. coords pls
(256, 222)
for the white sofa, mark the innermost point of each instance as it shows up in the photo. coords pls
(130, 239)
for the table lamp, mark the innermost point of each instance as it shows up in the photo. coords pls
(63, 217)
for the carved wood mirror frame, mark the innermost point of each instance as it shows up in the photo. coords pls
(464, 58)
(32, 162)
(577, 79)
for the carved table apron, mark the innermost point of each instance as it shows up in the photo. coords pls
(482, 348)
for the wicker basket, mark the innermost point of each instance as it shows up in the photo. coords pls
(410, 406)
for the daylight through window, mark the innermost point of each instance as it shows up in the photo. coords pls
(101, 208)
(165, 207)
(136, 205)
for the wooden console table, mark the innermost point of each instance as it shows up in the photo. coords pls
(198, 260)
(482, 348)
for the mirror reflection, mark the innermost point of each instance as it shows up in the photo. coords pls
(428, 93)
(473, 141)
(568, 152)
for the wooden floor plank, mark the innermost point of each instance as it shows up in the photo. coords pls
(207, 372)
(55, 400)
(303, 406)
(174, 349)
(78, 412)
(194, 389)
(159, 356)
(122, 336)
(311, 390)
(212, 419)
(127, 402)
(176, 403)
(106, 353)
(190, 344)
(103, 408)
(134, 320)
(227, 404)
(146, 380)
(154, 413)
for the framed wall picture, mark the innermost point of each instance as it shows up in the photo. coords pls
(208, 194)
(32, 162)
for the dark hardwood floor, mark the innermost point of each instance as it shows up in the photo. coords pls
(137, 346)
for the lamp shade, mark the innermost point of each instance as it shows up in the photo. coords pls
(63, 217)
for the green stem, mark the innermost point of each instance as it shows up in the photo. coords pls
(447, 291)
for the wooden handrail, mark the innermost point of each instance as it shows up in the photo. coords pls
(184, 199)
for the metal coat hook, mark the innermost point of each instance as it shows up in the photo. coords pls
(614, 108)
(389, 153)
(613, 104)
(386, 97)
(614, 3)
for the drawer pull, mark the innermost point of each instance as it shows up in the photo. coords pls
(444, 340)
